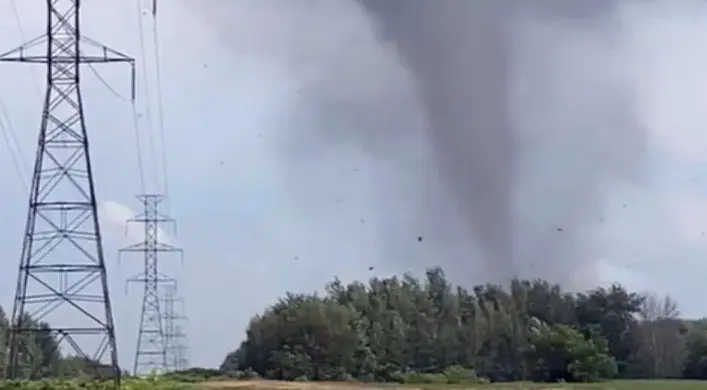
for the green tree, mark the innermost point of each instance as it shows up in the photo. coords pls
(695, 365)
(559, 352)
(302, 336)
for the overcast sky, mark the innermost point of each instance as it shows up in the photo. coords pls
(258, 217)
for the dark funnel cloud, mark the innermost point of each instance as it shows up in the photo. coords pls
(457, 53)
(463, 57)
(492, 129)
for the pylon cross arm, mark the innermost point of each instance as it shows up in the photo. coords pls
(23, 53)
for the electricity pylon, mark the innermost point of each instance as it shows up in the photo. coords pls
(181, 348)
(175, 337)
(62, 288)
(151, 352)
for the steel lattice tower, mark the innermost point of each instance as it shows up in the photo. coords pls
(151, 351)
(62, 268)
(174, 333)
(181, 348)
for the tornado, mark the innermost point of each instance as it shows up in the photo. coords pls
(481, 136)
(457, 53)
(464, 56)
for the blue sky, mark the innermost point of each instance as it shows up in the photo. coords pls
(258, 217)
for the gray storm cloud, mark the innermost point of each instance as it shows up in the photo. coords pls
(493, 129)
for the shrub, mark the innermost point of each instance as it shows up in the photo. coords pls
(127, 384)
(562, 353)
(457, 375)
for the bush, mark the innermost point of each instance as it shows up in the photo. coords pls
(417, 378)
(562, 353)
(127, 384)
(457, 375)
(249, 373)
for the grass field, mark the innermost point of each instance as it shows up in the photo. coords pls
(162, 384)
(616, 385)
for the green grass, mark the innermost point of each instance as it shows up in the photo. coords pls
(134, 384)
(613, 385)
(128, 384)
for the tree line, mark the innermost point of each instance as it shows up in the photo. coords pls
(41, 356)
(410, 329)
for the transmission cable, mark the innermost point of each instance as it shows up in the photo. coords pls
(18, 22)
(108, 86)
(138, 145)
(146, 90)
(135, 124)
(160, 101)
(8, 134)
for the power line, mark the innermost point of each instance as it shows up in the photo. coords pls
(13, 156)
(19, 163)
(138, 146)
(135, 118)
(13, 136)
(160, 102)
(109, 87)
(18, 22)
(62, 263)
(146, 91)
(146, 88)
